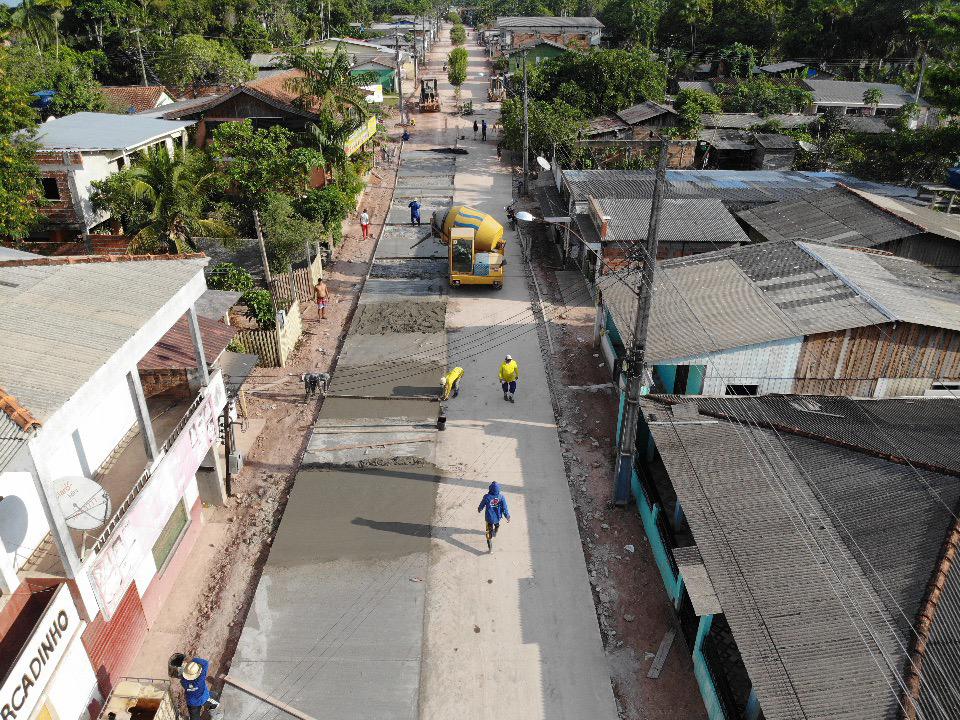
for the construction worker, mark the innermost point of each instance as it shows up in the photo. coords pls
(414, 206)
(193, 677)
(450, 383)
(496, 506)
(509, 375)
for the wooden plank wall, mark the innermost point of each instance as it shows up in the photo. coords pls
(835, 364)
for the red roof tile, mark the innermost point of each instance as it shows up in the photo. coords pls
(16, 412)
(140, 97)
(175, 351)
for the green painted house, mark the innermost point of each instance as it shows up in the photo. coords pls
(385, 74)
(536, 54)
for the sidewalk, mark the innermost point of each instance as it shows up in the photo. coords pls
(511, 634)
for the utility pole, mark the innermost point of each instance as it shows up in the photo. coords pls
(526, 131)
(634, 363)
(143, 66)
(923, 67)
(400, 103)
(263, 250)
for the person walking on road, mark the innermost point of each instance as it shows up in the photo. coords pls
(509, 375)
(475, 128)
(320, 295)
(483, 130)
(450, 383)
(496, 508)
(365, 223)
(414, 206)
(193, 677)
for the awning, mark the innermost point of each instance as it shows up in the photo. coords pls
(697, 581)
(236, 369)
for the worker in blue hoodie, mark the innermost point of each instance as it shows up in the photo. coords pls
(495, 504)
(193, 677)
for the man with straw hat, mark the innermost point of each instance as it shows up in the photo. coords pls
(193, 677)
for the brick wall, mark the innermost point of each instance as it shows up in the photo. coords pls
(109, 244)
(62, 211)
(173, 382)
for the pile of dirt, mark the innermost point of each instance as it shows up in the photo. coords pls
(383, 318)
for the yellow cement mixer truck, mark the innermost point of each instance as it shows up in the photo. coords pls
(475, 245)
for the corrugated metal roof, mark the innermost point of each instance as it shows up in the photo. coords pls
(728, 139)
(105, 131)
(882, 521)
(784, 66)
(902, 289)
(12, 439)
(802, 646)
(644, 111)
(836, 216)
(174, 351)
(693, 220)
(702, 85)
(61, 323)
(539, 21)
(745, 296)
(738, 189)
(928, 219)
(846, 92)
(214, 304)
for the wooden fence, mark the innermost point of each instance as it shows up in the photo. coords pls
(274, 346)
(298, 284)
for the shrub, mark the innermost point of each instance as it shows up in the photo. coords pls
(230, 276)
(454, 17)
(458, 35)
(260, 304)
(457, 67)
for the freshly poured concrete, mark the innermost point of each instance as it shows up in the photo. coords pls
(408, 241)
(400, 212)
(336, 624)
(421, 182)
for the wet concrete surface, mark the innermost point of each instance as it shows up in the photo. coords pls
(410, 268)
(420, 182)
(440, 166)
(406, 241)
(372, 409)
(400, 212)
(337, 621)
(389, 318)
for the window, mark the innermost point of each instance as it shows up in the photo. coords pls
(51, 190)
(741, 390)
(170, 535)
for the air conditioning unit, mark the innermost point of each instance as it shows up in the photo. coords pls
(235, 463)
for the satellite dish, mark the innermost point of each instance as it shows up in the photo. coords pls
(13, 522)
(543, 162)
(84, 503)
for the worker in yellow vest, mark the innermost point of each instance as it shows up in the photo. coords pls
(450, 383)
(509, 375)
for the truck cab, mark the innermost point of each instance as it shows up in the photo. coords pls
(469, 267)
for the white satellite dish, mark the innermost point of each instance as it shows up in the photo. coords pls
(13, 523)
(84, 503)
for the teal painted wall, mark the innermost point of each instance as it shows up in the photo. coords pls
(707, 689)
(648, 516)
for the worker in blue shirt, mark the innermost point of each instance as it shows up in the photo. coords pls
(495, 504)
(193, 677)
(414, 206)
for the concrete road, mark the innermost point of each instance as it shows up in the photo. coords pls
(511, 634)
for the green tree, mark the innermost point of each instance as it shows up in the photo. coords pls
(175, 191)
(19, 188)
(763, 96)
(70, 76)
(34, 20)
(458, 35)
(633, 21)
(457, 68)
(326, 84)
(694, 14)
(328, 206)
(285, 230)
(611, 80)
(552, 124)
(872, 97)
(454, 17)
(691, 104)
(740, 59)
(191, 61)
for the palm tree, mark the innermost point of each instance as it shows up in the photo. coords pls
(34, 19)
(175, 188)
(325, 83)
(330, 134)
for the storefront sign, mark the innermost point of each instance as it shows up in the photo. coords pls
(38, 660)
(359, 136)
(122, 558)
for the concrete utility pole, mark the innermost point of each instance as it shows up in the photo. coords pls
(263, 250)
(143, 66)
(923, 68)
(526, 131)
(634, 363)
(400, 103)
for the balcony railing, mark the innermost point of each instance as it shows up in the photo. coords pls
(144, 478)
